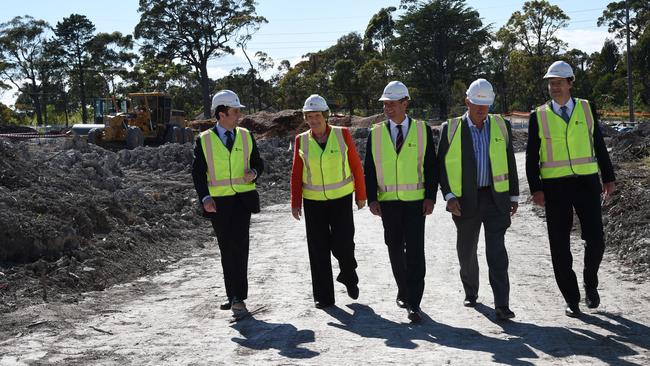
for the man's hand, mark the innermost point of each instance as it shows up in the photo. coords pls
(249, 176)
(513, 208)
(453, 206)
(209, 205)
(375, 208)
(538, 198)
(296, 212)
(608, 189)
(361, 204)
(427, 206)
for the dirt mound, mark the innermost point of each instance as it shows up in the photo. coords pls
(269, 125)
(627, 223)
(75, 217)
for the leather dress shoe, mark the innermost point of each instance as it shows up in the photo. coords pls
(414, 314)
(401, 303)
(225, 305)
(353, 291)
(504, 313)
(573, 310)
(592, 299)
(322, 305)
(470, 301)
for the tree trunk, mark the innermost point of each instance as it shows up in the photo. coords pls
(82, 96)
(205, 89)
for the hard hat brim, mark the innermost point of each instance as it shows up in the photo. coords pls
(382, 99)
(476, 101)
(551, 76)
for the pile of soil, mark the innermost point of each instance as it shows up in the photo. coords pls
(16, 129)
(627, 222)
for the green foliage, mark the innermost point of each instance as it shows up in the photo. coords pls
(615, 18)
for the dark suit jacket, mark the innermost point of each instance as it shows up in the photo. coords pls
(534, 142)
(430, 168)
(469, 200)
(199, 176)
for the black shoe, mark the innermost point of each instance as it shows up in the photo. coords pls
(592, 299)
(573, 310)
(504, 313)
(414, 315)
(353, 291)
(470, 301)
(322, 305)
(400, 303)
(225, 305)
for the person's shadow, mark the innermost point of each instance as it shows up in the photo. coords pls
(366, 323)
(563, 342)
(286, 338)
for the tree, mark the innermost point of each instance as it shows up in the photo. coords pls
(614, 17)
(195, 31)
(21, 55)
(380, 30)
(436, 43)
(74, 35)
(344, 82)
(532, 30)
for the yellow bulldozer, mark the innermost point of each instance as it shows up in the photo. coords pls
(150, 118)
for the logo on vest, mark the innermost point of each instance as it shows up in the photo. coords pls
(410, 144)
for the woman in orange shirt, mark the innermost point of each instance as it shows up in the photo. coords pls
(326, 170)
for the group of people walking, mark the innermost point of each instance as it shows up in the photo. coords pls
(474, 166)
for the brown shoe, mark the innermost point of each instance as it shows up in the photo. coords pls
(238, 308)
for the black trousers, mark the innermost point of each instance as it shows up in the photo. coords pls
(563, 195)
(495, 223)
(231, 225)
(404, 235)
(330, 229)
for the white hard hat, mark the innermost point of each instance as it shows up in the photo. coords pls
(315, 103)
(395, 90)
(227, 98)
(480, 92)
(559, 69)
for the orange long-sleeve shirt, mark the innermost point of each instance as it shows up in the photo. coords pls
(353, 160)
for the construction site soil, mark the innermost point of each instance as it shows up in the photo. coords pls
(76, 217)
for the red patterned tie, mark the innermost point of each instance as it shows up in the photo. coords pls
(399, 141)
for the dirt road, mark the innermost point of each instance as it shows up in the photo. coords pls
(173, 318)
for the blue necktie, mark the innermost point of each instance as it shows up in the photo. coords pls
(564, 115)
(229, 140)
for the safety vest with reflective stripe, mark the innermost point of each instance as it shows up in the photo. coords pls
(399, 176)
(566, 148)
(226, 168)
(326, 174)
(497, 152)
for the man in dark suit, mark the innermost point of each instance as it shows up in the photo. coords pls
(565, 153)
(401, 183)
(478, 178)
(225, 167)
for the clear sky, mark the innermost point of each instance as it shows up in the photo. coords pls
(298, 27)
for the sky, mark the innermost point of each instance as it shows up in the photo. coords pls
(298, 27)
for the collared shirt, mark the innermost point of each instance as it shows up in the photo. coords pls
(221, 131)
(557, 107)
(481, 143)
(393, 128)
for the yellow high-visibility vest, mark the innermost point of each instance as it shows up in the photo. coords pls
(566, 149)
(226, 168)
(326, 174)
(399, 176)
(497, 153)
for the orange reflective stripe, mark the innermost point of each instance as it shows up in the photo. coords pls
(208, 145)
(502, 126)
(561, 163)
(547, 132)
(500, 178)
(401, 187)
(376, 149)
(226, 182)
(341, 141)
(453, 127)
(305, 155)
(328, 186)
(245, 148)
(590, 121)
(420, 130)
